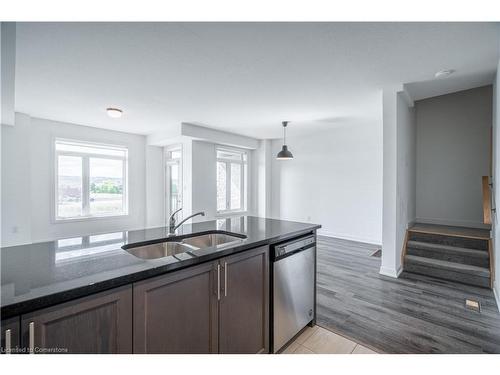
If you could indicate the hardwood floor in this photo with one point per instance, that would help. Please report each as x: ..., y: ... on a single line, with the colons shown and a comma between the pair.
x: 412, y: 314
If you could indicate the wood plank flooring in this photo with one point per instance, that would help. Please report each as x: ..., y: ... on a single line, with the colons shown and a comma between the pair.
x: 412, y: 314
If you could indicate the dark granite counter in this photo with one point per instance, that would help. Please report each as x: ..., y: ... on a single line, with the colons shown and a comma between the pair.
x: 39, y: 275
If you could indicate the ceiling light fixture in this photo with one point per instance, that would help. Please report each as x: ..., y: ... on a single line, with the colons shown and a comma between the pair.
x: 284, y: 154
x: 444, y: 73
x: 114, y: 112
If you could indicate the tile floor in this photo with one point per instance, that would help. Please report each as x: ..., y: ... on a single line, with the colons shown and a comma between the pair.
x: 318, y: 340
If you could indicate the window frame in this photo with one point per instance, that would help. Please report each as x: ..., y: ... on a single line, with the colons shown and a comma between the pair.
x: 244, y: 193
x: 86, y: 216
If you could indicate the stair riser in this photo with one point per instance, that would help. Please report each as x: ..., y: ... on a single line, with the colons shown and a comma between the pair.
x: 469, y: 243
x: 450, y: 257
x: 447, y: 275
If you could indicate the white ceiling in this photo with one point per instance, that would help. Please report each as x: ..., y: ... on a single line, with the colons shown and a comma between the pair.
x: 240, y: 77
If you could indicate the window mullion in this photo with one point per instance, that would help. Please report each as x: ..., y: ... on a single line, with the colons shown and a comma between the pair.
x: 85, y: 186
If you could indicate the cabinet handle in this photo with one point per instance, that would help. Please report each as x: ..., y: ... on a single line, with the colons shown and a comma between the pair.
x: 218, y: 281
x: 7, y: 341
x: 225, y: 279
x: 32, y: 337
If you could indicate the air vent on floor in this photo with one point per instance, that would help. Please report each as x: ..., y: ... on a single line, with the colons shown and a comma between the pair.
x: 377, y: 253
x: 473, y: 305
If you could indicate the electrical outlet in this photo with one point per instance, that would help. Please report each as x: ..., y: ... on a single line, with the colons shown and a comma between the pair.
x: 309, y: 218
x: 15, y: 229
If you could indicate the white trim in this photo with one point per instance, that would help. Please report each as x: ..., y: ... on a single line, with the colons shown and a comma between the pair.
x: 496, y: 293
x: 344, y: 236
x: 390, y: 272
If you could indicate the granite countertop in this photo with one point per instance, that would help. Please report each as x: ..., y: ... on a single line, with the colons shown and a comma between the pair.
x: 39, y: 275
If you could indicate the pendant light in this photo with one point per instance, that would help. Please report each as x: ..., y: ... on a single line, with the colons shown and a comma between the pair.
x: 284, y: 154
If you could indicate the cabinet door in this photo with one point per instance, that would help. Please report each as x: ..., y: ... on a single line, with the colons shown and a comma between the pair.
x: 177, y: 312
x: 101, y: 323
x: 10, y: 335
x: 244, y: 304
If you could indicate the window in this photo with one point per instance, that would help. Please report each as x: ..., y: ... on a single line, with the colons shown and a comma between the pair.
x: 174, y: 181
x: 231, y: 180
x: 91, y: 180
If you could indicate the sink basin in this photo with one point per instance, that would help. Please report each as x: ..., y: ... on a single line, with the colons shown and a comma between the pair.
x: 190, y: 244
x: 211, y: 240
x: 158, y: 250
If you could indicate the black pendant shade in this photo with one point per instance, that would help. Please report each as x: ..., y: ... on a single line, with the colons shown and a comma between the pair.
x: 284, y: 154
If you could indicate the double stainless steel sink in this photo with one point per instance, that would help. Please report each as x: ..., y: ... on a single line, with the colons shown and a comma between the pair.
x: 186, y: 245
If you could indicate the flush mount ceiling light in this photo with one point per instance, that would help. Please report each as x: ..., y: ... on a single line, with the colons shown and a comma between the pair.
x: 114, y: 112
x: 284, y: 154
x: 444, y: 73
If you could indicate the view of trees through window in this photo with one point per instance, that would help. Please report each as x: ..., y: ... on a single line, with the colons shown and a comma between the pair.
x: 90, y: 181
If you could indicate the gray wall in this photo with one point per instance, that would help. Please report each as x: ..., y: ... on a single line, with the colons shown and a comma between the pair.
x: 453, y: 152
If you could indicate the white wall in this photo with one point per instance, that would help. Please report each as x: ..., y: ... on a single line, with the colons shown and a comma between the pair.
x: 453, y: 152
x: 7, y: 81
x: 406, y: 163
x: 496, y: 187
x: 28, y: 181
x: 16, y: 181
x: 263, y: 178
x: 335, y: 179
x: 204, y: 183
x: 399, y: 177
x: 155, y: 187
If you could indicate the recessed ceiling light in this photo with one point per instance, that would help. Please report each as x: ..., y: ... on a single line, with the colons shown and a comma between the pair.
x: 114, y: 112
x: 444, y: 73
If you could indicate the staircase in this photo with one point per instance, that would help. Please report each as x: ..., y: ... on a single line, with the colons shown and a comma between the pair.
x: 450, y: 253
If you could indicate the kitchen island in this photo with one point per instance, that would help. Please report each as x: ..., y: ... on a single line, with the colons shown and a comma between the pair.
x: 88, y: 294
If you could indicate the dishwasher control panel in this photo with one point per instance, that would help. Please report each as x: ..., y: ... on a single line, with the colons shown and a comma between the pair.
x: 292, y: 246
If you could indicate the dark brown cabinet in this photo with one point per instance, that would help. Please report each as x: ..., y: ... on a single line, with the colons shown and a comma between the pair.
x: 244, y: 304
x: 10, y: 336
x: 101, y: 323
x: 216, y: 307
x: 220, y: 306
x: 177, y: 313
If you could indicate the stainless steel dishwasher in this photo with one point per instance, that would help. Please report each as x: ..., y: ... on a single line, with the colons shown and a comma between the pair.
x: 293, y: 288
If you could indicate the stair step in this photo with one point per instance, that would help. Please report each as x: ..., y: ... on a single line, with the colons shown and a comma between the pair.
x: 448, y: 253
x: 463, y: 273
x: 448, y: 240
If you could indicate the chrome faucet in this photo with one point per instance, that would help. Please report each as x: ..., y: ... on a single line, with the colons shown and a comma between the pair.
x: 172, y: 227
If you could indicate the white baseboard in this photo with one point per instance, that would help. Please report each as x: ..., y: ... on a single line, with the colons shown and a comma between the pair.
x: 349, y: 237
x: 391, y: 272
x: 496, y: 293
x: 453, y: 223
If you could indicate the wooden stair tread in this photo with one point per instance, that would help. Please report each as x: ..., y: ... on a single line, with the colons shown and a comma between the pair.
x: 449, y: 266
x: 445, y: 230
x: 448, y: 248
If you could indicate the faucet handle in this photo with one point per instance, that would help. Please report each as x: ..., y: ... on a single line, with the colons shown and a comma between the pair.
x: 172, y: 217
x: 176, y: 211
